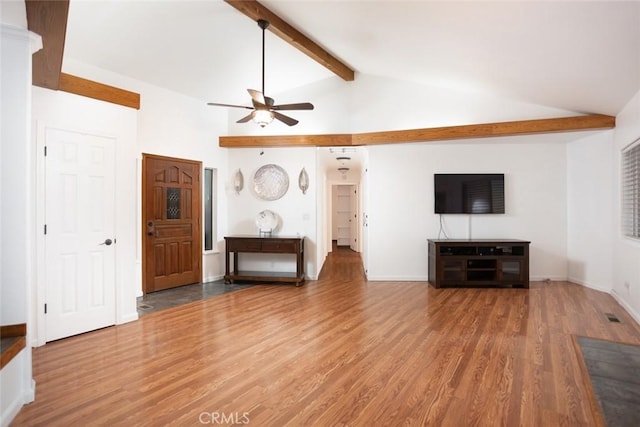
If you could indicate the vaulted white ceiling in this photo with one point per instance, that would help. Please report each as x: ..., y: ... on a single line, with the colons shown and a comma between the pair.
x: 571, y: 55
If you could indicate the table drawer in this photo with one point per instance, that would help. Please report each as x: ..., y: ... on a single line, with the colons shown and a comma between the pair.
x: 244, y: 245
x: 279, y: 246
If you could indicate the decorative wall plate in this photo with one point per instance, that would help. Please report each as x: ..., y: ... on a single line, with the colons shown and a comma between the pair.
x: 270, y: 182
x: 267, y: 221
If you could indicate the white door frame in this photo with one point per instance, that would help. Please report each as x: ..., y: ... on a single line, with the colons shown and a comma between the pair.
x: 329, y: 212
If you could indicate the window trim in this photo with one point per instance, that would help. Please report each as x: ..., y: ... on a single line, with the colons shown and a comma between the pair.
x: 214, y: 210
x: 630, y: 223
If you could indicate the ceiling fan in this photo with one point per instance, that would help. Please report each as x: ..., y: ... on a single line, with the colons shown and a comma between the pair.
x: 264, y: 108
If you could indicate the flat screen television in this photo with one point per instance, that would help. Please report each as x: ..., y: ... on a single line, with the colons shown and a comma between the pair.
x: 464, y: 193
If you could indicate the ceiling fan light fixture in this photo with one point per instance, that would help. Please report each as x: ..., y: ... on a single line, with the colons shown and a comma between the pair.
x: 263, y: 117
x: 263, y: 110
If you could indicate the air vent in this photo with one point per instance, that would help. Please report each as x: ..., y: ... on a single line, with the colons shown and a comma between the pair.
x: 612, y: 318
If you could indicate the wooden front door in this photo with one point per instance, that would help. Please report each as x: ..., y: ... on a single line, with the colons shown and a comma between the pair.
x: 171, y: 213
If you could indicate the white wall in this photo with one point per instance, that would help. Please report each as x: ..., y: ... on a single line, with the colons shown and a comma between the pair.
x: 297, y: 211
x: 626, y: 252
x: 17, y: 248
x: 13, y: 12
x: 379, y: 104
x: 173, y: 125
x: 400, y: 202
x: 590, y: 211
x: 61, y: 110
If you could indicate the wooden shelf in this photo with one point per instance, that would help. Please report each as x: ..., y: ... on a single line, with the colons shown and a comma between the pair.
x: 12, y: 341
x: 266, y: 276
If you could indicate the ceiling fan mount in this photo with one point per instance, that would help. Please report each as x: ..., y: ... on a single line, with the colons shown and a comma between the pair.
x: 264, y: 108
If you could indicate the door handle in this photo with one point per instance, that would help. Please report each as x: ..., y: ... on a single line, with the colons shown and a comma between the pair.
x: 107, y: 242
x: 150, y: 228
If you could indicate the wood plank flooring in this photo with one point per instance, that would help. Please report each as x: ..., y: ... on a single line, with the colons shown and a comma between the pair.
x: 336, y: 351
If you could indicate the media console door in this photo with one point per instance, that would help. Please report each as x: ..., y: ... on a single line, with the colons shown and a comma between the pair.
x: 467, y: 263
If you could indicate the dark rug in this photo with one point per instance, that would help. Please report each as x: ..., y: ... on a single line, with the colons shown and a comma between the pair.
x: 614, y: 370
x: 174, y: 297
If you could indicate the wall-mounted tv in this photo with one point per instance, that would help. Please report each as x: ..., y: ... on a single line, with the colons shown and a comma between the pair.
x: 463, y: 193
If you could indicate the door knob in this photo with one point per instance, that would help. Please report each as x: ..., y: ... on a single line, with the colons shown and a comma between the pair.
x: 107, y: 242
x: 150, y: 229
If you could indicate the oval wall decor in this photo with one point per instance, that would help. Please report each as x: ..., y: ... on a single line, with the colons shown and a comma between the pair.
x: 270, y: 182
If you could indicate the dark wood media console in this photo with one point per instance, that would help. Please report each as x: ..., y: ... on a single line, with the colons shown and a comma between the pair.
x: 264, y: 245
x: 468, y: 263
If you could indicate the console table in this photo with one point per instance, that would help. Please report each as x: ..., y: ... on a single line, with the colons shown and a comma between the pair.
x: 264, y: 245
x: 466, y: 263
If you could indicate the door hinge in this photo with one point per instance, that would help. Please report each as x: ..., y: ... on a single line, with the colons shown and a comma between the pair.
x: 45, y: 229
x: 45, y: 309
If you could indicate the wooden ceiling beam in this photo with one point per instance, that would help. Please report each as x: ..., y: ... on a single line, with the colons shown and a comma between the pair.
x: 485, y: 130
x: 49, y: 20
x: 102, y: 92
x: 335, y: 140
x: 286, y: 32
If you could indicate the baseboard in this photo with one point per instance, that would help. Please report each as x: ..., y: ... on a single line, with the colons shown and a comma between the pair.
x: 11, y: 376
x: 12, y: 410
x: 131, y: 317
x: 212, y: 278
x: 615, y: 296
x: 397, y: 279
x: 589, y: 285
x: 626, y: 306
x: 30, y: 393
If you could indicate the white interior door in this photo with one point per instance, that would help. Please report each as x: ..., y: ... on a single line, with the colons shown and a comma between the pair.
x: 80, y: 233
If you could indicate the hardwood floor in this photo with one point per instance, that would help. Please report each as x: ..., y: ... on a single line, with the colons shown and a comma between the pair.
x: 336, y: 351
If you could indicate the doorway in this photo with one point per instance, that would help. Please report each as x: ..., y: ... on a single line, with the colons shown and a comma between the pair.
x: 171, y: 211
x: 344, y: 228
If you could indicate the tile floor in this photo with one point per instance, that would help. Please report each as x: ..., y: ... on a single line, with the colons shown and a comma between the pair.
x: 168, y: 298
x: 614, y: 370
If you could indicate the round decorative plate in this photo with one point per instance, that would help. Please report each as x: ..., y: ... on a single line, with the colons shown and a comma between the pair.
x: 270, y: 182
x: 266, y: 221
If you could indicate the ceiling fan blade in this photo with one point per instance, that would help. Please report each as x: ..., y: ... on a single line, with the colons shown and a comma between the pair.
x: 285, y: 119
x: 269, y: 101
x: 299, y: 106
x: 217, y: 104
x: 245, y: 119
x: 257, y: 96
